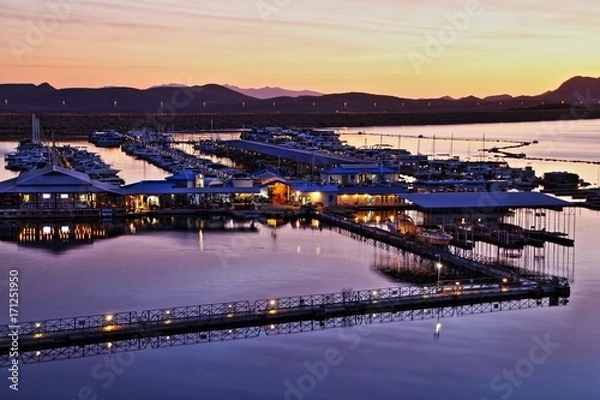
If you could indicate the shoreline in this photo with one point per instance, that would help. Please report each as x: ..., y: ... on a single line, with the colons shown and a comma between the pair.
x: 18, y: 126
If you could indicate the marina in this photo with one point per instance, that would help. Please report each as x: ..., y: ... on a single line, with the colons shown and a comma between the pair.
x: 305, y: 243
x: 298, y: 200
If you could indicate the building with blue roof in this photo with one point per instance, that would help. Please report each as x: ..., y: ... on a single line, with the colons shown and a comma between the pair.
x: 57, y: 191
x: 356, y: 174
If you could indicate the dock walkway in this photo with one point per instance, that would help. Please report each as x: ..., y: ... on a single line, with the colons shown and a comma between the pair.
x: 80, y: 331
x: 419, y: 248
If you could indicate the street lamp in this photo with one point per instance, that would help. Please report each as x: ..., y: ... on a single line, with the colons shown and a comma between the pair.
x: 438, y: 265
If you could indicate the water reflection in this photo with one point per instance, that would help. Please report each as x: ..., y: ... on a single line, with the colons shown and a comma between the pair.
x: 189, y: 337
x: 58, y: 236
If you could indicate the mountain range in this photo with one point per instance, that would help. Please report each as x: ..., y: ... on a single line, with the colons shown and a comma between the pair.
x: 269, y: 92
x: 212, y: 98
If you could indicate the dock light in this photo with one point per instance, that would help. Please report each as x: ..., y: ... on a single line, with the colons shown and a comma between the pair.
x: 109, y: 345
x: 109, y: 317
x: 109, y: 328
x: 457, y: 283
x: 229, y: 305
x: 38, y: 335
x: 272, y: 302
x: 168, y: 321
x: 271, y: 326
x: 168, y: 312
x: 168, y: 338
x: 37, y: 324
x: 38, y: 353
x: 374, y: 292
x: 504, y: 280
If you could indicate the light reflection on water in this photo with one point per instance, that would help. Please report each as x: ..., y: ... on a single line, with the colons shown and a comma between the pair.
x: 154, y: 269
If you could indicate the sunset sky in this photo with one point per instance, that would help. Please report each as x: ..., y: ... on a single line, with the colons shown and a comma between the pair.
x: 426, y: 48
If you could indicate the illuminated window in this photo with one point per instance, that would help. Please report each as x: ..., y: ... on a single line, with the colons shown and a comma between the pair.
x: 46, y: 196
x: 64, y: 196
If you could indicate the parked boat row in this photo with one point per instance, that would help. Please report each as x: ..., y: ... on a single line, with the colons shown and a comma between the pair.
x: 30, y: 155
x: 161, y: 153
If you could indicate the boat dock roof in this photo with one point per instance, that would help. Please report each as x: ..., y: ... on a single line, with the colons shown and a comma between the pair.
x: 315, y: 157
x: 484, y: 201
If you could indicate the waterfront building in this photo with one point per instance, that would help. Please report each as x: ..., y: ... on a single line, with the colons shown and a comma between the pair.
x: 357, y: 174
x: 303, y: 192
x: 371, y: 196
x: 57, y: 191
x: 173, y: 193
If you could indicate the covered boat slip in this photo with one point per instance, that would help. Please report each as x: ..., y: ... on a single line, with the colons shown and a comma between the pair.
x: 529, y: 210
x: 524, y: 230
x: 310, y: 157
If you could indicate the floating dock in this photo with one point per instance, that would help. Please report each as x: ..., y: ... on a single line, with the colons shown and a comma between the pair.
x: 43, y: 335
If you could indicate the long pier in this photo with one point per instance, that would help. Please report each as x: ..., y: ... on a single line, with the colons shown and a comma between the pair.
x: 41, y: 336
x: 419, y: 248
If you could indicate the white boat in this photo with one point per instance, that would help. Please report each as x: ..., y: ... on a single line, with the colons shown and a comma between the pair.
x: 406, y: 227
x: 106, y: 138
x: 434, y: 237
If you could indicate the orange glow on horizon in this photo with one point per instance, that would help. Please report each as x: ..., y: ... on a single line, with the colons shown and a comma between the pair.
x: 429, y: 49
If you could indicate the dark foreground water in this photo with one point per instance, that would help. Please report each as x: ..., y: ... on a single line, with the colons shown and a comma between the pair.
x: 546, y: 353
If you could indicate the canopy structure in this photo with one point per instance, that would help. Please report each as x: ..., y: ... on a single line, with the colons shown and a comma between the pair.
x: 488, y: 201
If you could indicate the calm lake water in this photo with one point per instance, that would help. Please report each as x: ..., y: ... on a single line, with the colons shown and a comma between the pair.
x: 547, y: 353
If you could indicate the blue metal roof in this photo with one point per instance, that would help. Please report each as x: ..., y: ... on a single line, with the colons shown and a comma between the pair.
x: 314, y: 157
x: 484, y: 200
x: 183, y: 176
x: 309, y: 187
x: 355, y: 170
x: 373, y: 190
x: 164, y: 187
x: 55, y: 179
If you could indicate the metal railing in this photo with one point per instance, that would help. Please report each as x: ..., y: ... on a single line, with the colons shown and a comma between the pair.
x: 335, y: 300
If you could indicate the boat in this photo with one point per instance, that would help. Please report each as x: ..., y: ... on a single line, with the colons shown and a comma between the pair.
x: 403, y: 225
x: 406, y: 227
x: 109, y: 138
x: 437, y: 238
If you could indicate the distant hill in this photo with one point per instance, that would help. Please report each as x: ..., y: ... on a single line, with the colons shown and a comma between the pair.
x: 268, y: 92
x: 213, y: 98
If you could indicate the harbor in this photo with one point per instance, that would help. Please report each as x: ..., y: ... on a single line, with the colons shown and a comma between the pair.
x: 287, y: 200
x: 205, y: 252
x: 481, y: 229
